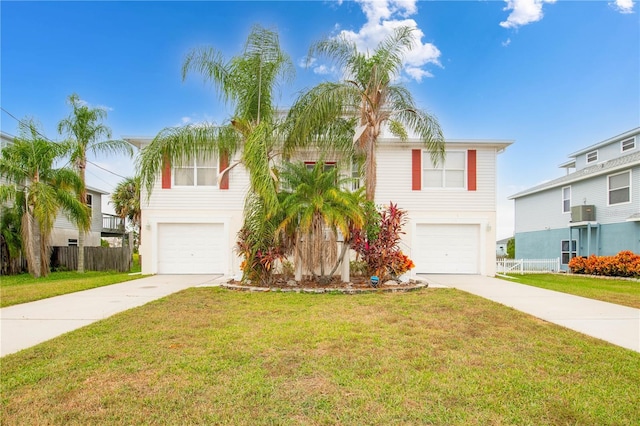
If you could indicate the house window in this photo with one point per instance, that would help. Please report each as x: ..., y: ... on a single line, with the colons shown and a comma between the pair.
x: 619, y: 188
x: 72, y: 242
x: 328, y: 165
x: 356, y: 176
x: 200, y: 172
x: 628, y: 144
x: 568, y: 250
x: 89, y: 200
x: 592, y: 157
x: 566, y: 199
x: 449, y: 173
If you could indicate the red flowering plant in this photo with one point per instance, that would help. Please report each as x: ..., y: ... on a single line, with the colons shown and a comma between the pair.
x: 378, y: 242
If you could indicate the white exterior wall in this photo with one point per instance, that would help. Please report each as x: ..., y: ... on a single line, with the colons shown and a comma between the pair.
x: 442, y: 206
x: 194, y: 205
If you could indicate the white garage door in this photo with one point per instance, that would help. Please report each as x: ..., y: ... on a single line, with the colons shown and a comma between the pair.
x: 191, y: 248
x: 447, y: 249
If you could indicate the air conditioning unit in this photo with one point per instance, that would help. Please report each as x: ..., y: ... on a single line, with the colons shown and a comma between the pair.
x: 583, y: 213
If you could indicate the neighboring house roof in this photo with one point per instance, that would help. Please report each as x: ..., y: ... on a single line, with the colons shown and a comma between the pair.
x: 619, y: 137
x: 504, y: 240
x: 586, y: 173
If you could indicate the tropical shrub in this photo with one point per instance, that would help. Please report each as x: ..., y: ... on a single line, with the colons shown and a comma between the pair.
x: 624, y: 264
x: 378, y: 243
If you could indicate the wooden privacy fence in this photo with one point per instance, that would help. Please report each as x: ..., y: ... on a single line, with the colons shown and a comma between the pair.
x: 527, y: 266
x: 95, y: 258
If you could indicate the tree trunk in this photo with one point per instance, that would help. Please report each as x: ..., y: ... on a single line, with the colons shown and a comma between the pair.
x: 370, y: 179
x: 80, y: 251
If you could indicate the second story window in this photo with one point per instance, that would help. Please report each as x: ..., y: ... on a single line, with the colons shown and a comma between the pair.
x: 619, y: 188
x: 592, y: 157
x: 199, y: 172
x: 89, y: 201
x: 449, y: 173
x: 566, y: 199
x: 628, y: 144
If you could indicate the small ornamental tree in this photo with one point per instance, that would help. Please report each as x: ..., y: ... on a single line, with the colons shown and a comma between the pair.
x: 378, y: 243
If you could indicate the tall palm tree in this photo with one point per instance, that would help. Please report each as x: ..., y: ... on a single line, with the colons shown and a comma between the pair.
x: 86, y: 134
x: 248, y: 82
x: 369, y: 93
x: 39, y: 192
x: 316, y: 206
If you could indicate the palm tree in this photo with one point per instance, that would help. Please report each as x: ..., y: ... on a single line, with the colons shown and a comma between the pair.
x: 369, y: 94
x: 126, y: 200
x: 39, y: 192
x: 85, y: 133
x: 248, y: 82
x: 315, y: 207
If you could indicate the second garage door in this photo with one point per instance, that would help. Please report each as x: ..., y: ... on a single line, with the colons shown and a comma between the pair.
x: 191, y: 248
x: 447, y: 248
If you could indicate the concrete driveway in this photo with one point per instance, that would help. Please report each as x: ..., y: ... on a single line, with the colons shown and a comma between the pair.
x: 613, y: 323
x: 27, y: 324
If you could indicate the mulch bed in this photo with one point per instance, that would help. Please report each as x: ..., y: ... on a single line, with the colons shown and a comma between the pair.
x: 336, y: 285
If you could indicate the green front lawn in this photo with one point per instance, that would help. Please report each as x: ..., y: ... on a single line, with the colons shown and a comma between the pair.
x: 622, y: 292
x: 210, y: 356
x: 15, y: 289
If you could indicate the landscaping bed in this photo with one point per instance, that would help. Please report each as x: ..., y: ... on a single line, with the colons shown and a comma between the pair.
x: 357, y: 285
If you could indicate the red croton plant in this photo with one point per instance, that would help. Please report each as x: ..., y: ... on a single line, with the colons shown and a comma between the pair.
x: 378, y: 243
x: 624, y: 264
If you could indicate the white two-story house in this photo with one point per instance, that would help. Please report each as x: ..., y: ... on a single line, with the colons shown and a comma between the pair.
x: 190, y: 222
x: 593, y: 209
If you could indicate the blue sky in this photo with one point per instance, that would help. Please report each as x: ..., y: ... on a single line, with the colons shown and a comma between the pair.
x: 554, y: 76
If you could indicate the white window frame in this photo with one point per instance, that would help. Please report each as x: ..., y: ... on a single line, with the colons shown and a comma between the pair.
x: 566, y: 208
x: 443, y: 167
x: 195, y: 166
x: 630, y: 144
x: 627, y: 172
x: 356, y: 176
x: 571, y: 253
x: 592, y: 156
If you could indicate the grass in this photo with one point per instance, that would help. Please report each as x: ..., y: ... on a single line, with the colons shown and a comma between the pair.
x: 16, y: 289
x: 209, y: 356
x: 621, y: 292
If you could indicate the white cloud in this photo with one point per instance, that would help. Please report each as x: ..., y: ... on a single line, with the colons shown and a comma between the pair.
x: 506, y: 42
x: 383, y: 16
x: 623, y: 6
x: 523, y: 12
x: 324, y: 70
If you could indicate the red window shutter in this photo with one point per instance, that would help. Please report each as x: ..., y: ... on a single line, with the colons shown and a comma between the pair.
x: 224, y: 163
x: 416, y: 169
x: 472, y: 170
x: 166, y: 174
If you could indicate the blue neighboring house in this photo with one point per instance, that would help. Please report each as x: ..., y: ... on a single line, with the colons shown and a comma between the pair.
x: 593, y: 209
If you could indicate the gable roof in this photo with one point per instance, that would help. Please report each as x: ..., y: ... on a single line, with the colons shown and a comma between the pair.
x: 582, y: 174
x: 617, y: 138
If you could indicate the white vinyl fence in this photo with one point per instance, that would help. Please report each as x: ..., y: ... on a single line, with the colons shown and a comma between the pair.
x: 527, y: 266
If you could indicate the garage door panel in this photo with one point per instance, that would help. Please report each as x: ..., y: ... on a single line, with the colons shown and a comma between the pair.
x: 447, y: 248
x: 191, y: 248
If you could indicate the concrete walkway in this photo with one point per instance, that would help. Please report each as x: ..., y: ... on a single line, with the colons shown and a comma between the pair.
x: 613, y: 323
x: 27, y: 324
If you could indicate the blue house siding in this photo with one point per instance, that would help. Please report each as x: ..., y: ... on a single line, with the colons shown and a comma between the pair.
x: 606, y: 240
